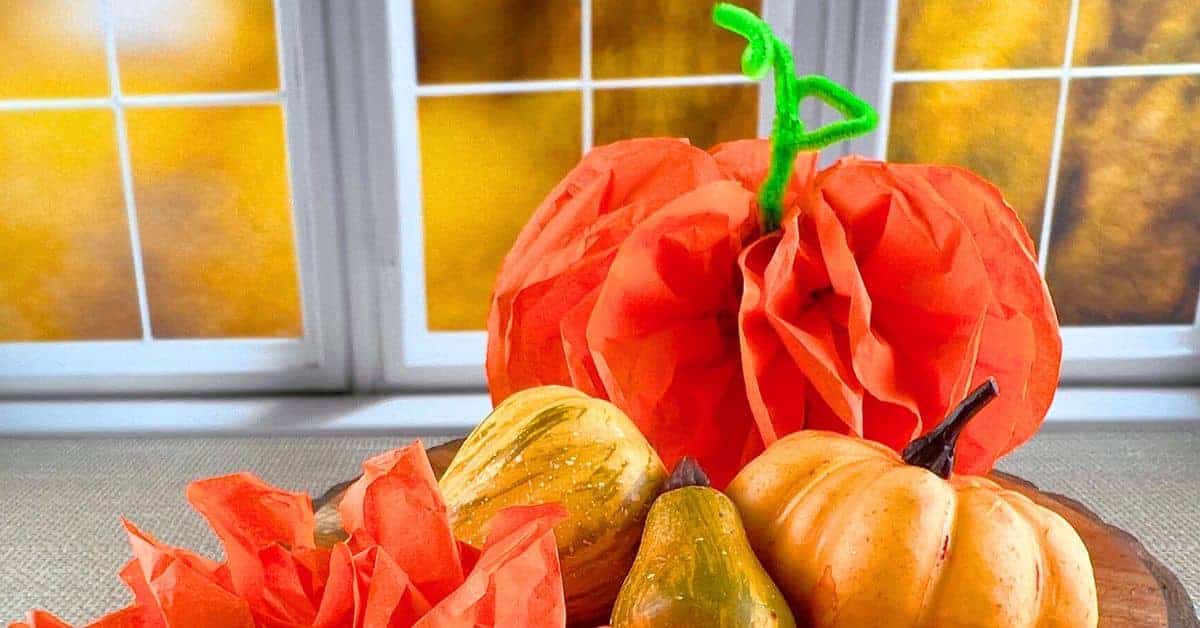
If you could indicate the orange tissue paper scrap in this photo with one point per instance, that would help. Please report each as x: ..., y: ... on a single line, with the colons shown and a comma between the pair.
x: 401, y: 566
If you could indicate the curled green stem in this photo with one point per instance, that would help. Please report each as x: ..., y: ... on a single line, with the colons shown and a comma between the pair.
x: 764, y: 52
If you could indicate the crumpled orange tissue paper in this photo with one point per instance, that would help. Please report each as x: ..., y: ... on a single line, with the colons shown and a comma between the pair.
x: 889, y: 291
x: 401, y: 566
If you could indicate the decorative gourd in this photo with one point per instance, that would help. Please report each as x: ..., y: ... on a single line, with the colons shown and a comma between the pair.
x: 855, y: 535
x: 695, y: 567
x: 556, y: 444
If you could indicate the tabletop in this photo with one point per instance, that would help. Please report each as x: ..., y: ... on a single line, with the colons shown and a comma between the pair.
x: 62, y: 543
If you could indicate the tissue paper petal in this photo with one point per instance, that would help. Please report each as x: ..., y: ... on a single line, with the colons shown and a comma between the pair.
x: 517, y: 580
x: 184, y: 586
x: 368, y: 590
x: 259, y: 527
x: 564, y: 251
x: 664, y: 328
x: 893, y: 291
x: 1020, y: 344
x: 397, y: 505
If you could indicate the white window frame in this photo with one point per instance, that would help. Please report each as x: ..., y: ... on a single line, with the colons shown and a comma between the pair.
x: 315, y: 361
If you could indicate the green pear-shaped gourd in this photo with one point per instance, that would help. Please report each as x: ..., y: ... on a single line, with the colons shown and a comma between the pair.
x: 695, y: 566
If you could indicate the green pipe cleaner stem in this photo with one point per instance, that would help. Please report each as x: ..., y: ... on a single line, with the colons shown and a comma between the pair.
x: 764, y: 52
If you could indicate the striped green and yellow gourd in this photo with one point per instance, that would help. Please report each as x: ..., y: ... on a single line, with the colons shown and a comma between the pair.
x: 556, y: 444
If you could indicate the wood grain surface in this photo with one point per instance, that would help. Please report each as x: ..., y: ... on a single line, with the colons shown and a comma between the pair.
x: 1135, y: 590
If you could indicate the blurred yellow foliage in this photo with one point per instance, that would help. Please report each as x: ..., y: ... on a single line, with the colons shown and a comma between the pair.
x: 496, y: 40
x: 52, y: 49
x: 1125, y: 245
x: 180, y: 46
x: 486, y: 163
x: 705, y: 115
x: 215, y: 220
x: 210, y: 183
x: 1125, y: 239
x: 1002, y: 130
x: 968, y: 34
x: 1127, y: 32
x: 662, y: 38
x: 66, y: 270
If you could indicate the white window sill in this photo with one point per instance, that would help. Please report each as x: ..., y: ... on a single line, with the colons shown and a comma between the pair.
x: 440, y: 413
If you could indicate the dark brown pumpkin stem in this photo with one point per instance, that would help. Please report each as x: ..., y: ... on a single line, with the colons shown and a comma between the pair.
x: 687, y: 473
x: 935, y: 450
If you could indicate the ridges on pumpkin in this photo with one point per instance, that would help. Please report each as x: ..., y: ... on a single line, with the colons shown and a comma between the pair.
x: 855, y: 536
x: 555, y: 444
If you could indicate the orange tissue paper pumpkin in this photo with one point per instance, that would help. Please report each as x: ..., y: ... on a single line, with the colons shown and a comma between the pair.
x: 725, y: 298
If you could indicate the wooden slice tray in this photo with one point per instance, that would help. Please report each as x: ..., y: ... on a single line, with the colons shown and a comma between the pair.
x: 1135, y: 589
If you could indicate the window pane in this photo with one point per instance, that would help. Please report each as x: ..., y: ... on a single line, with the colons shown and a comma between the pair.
x: 704, y: 115
x: 167, y: 46
x: 496, y: 40
x: 1119, y: 32
x: 1002, y: 130
x: 1125, y: 244
x: 1143, y: 31
x: 215, y: 223
x: 662, y: 38
x: 953, y: 34
x: 487, y: 161
x: 52, y: 49
x: 66, y: 272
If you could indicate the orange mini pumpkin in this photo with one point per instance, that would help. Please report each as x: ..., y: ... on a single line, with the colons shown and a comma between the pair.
x: 856, y: 535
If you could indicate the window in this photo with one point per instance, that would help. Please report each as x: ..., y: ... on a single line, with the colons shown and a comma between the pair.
x: 502, y: 99
x: 160, y: 186
x: 258, y: 195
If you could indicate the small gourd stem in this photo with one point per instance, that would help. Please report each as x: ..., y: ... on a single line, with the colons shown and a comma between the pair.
x: 687, y: 473
x: 764, y: 51
x: 935, y: 450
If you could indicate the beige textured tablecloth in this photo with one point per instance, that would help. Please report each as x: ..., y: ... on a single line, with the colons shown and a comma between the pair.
x: 61, y: 542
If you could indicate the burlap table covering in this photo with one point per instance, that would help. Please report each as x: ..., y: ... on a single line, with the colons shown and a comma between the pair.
x: 61, y: 542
